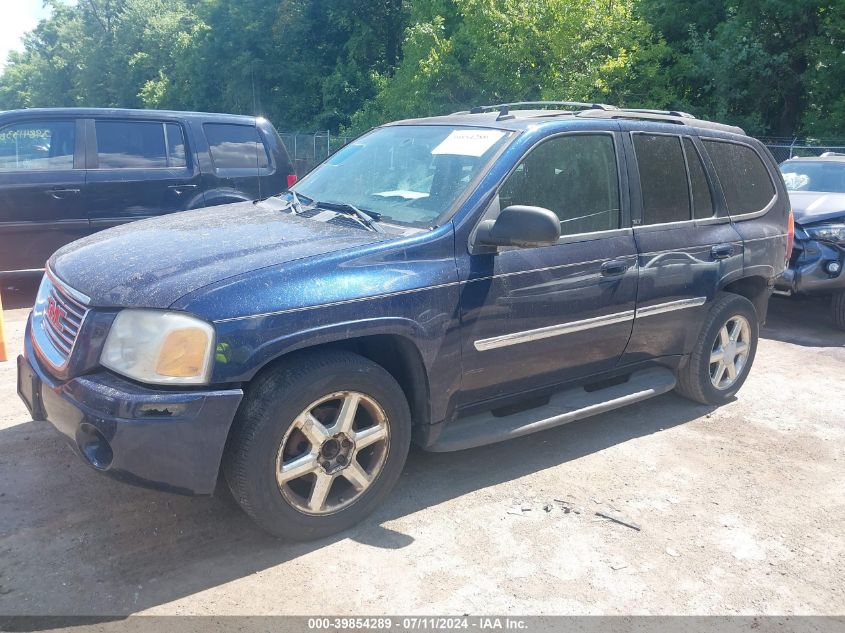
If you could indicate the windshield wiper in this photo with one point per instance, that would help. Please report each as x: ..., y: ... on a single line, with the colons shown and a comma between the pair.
x: 367, y: 218
x: 296, y: 203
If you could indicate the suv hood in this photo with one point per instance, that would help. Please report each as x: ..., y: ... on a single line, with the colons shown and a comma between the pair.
x: 813, y: 206
x: 154, y: 262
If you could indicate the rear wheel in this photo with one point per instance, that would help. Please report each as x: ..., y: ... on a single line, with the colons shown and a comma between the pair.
x: 724, y: 352
x: 318, y: 444
x: 837, y: 305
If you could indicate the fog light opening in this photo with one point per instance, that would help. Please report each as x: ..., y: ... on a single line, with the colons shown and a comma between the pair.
x: 94, y: 446
x: 833, y: 268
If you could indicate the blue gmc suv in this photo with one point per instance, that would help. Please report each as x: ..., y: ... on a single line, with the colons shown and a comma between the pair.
x: 451, y: 281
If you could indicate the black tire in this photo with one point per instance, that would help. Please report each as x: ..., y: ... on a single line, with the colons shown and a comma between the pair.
x: 269, y: 409
x: 694, y: 379
x: 837, y: 306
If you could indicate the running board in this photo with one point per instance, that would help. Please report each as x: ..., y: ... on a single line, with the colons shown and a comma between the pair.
x: 566, y: 406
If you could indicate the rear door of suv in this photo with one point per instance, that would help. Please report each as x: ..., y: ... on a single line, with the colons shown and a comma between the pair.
x: 42, y: 177
x: 687, y: 245
x: 756, y: 201
x: 138, y: 168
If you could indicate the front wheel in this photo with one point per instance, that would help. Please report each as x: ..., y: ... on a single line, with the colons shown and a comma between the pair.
x: 318, y: 444
x: 722, y: 356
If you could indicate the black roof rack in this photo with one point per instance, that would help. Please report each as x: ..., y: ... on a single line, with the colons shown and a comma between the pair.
x: 604, y: 111
x: 661, y: 116
x: 673, y: 113
x: 505, y: 108
x: 576, y: 105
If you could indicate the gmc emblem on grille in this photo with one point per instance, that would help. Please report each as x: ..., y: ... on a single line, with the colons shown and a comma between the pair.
x: 55, y: 313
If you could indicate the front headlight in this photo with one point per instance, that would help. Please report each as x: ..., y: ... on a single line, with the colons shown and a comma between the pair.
x: 159, y: 347
x: 827, y: 232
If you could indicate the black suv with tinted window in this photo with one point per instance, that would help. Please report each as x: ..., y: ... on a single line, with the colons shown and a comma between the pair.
x: 454, y: 281
x: 68, y: 172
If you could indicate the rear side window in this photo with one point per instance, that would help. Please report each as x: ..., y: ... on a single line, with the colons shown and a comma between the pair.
x: 743, y: 176
x: 139, y: 145
x: 573, y: 175
x: 37, y: 145
x: 663, y: 178
x: 235, y: 146
x: 702, y: 202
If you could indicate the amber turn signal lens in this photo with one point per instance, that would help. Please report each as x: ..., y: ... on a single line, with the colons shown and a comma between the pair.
x: 183, y: 353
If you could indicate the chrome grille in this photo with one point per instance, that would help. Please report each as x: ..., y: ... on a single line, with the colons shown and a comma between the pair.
x: 59, y: 316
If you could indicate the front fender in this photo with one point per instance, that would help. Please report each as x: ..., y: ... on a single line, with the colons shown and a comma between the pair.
x: 268, y: 351
x: 428, y: 319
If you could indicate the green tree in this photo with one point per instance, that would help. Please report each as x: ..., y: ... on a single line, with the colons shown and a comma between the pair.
x: 769, y: 65
x: 469, y: 52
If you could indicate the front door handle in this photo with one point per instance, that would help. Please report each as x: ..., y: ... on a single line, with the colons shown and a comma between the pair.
x: 180, y: 189
x: 722, y: 251
x: 614, y: 267
x: 59, y: 194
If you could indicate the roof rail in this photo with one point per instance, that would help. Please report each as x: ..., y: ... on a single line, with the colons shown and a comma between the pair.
x: 830, y: 154
x: 604, y: 111
x: 664, y: 116
x: 577, y: 105
x: 674, y: 113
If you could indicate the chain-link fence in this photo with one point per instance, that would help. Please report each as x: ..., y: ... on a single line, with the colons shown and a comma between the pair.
x: 309, y: 150
x: 785, y: 148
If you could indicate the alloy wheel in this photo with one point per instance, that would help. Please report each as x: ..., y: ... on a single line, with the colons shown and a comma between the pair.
x: 729, y: 354
x: 333, y: 452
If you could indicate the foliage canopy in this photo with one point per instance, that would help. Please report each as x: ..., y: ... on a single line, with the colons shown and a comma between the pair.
x: 776, y: 67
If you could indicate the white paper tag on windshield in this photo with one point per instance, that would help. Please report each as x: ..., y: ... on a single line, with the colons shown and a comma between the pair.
x: 468, y: 142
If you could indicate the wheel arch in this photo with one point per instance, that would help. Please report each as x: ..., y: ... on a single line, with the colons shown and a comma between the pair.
x: 395, y: 353
x: 756, y: 289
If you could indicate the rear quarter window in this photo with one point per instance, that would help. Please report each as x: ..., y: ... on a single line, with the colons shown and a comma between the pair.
x: 235, y: 146
x: 745, y: 180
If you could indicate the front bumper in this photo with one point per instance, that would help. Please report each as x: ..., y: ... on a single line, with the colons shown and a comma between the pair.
x: 157, y: 438
x: 807, y: 272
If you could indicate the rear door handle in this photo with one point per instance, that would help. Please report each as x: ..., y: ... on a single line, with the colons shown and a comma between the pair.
x: 180, y: 189
x: 614, y: 267
x: 58, y: 194
x: 722, y: 251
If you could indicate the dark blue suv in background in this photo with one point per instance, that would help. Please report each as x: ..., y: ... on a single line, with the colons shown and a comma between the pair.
x: 68, y: 172
x: 452, y: 281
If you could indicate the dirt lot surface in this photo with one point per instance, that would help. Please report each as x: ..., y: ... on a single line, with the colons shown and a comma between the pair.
x: 742, y: 510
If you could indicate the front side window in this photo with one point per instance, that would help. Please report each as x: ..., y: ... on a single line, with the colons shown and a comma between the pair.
x: 663, y: 178
x: 139, y: 145
x: 575, y: 176
x: 235, y: 146
x: 817, y: 175
x: 37, y: 145
x: 407, y: 174
x: 743, y: 176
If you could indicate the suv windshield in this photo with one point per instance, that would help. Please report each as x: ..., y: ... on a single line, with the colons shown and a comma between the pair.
x: 407, y: 174
x: 814, y: 175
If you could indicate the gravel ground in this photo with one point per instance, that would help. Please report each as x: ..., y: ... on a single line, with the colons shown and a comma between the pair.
x: 741, y: 508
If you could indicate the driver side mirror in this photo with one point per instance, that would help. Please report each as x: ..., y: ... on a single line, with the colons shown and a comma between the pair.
x: 520, y: 225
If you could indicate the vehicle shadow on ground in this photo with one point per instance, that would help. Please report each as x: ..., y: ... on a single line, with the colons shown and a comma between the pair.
x: 60, y: 522
x: 805, y: 321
